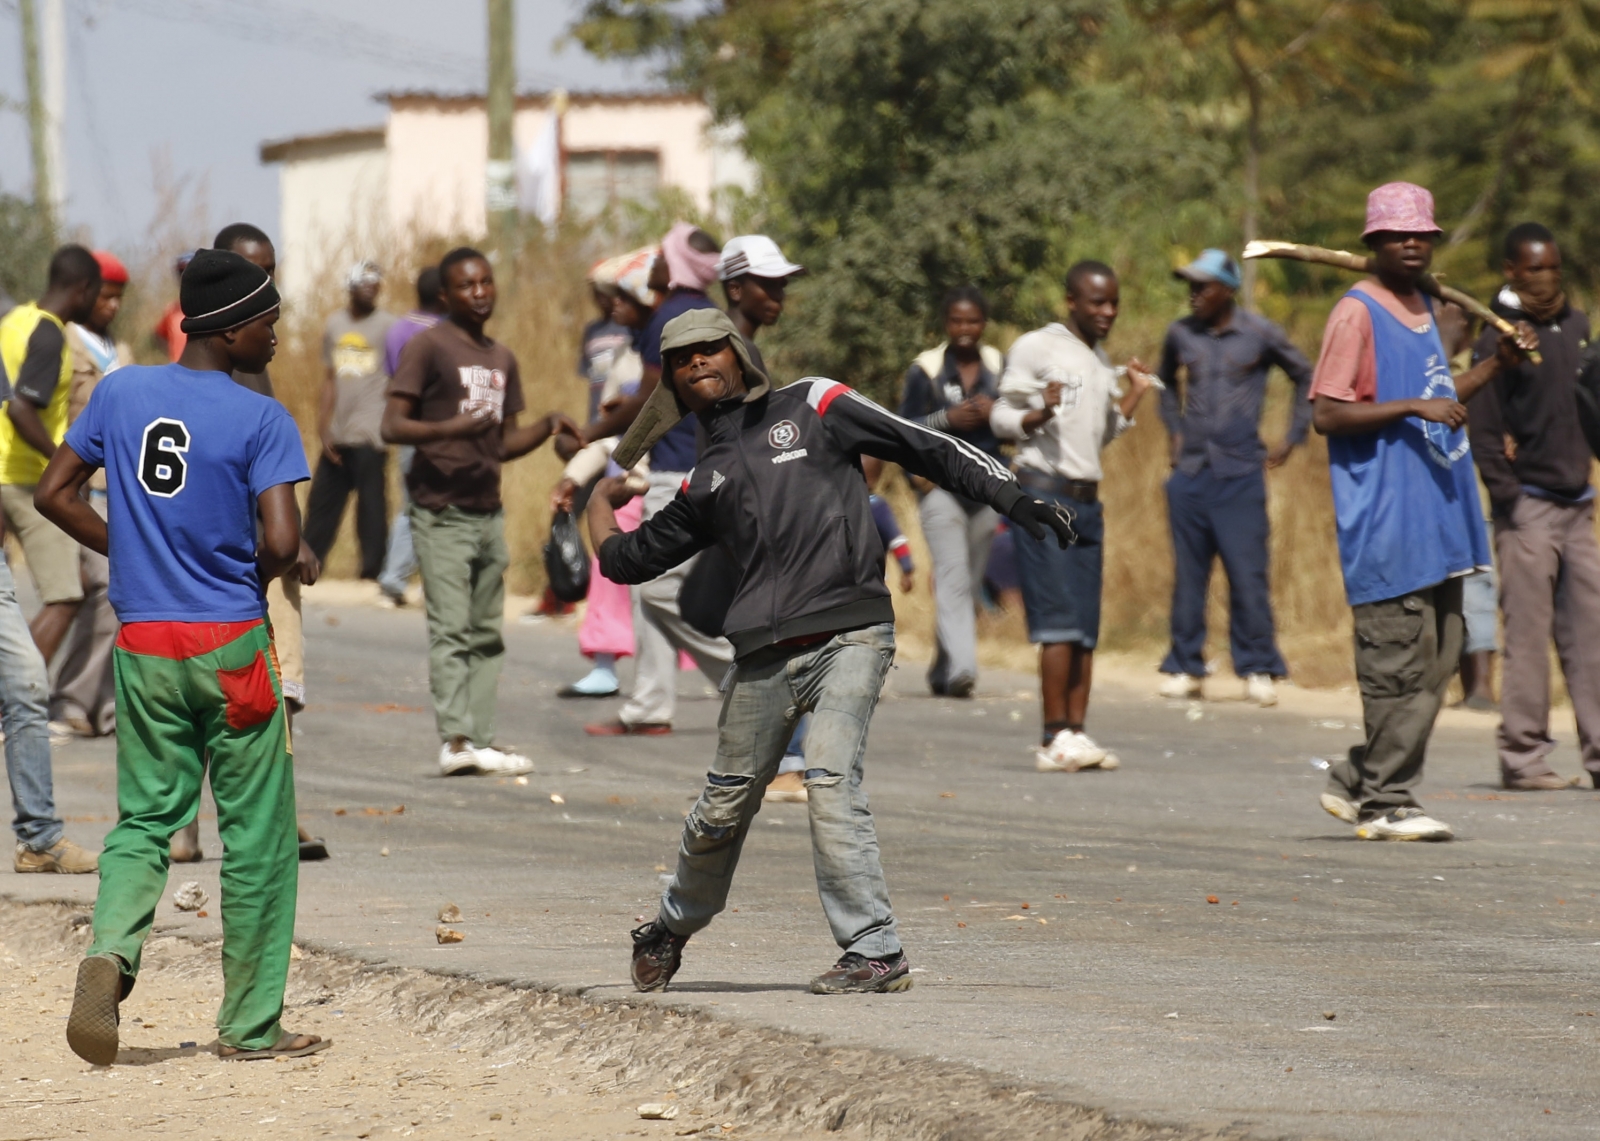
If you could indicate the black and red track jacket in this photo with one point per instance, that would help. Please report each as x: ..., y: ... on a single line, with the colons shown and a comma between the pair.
x: 778, y: 486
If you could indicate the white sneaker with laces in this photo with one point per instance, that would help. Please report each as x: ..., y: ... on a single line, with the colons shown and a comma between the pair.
x: 1182, y: 686
x: 1068, y: 752
x: 1259, y: 689
x: 501, y: 763
x: 457, y: 757
x: 1408, y: 823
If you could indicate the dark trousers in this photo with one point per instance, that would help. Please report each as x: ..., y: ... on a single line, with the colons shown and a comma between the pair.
x: 1407, y: 650
x: 1227, y: 517
x: 361, y: 470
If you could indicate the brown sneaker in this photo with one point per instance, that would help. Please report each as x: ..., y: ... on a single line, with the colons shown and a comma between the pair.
x: 787, y: 788
x: 63, y: 856
x: 657, y: 955
x: 857, y: 974
x: 1538, y: 782
x: 623, y: 729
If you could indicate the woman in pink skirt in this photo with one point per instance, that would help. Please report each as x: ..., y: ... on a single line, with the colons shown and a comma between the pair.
x: 606, y: 633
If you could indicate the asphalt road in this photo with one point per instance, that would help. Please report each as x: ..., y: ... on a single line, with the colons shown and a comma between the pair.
x: 1060, y: 924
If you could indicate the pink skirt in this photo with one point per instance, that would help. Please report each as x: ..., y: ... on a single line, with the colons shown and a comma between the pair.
x: 608, y: 622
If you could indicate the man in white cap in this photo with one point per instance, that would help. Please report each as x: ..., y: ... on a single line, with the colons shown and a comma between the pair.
x: 354, y: 457
x: 754, y: 275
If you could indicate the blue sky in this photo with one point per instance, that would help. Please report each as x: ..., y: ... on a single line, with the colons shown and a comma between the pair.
x: 193, y: 87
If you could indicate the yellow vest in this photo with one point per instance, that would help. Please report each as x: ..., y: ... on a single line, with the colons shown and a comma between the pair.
x: 21, y: 462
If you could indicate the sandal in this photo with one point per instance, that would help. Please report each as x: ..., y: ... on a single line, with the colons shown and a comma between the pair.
x: 284, y: 1049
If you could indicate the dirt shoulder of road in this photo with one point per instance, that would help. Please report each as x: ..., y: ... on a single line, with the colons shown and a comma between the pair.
x: 423, y: 1055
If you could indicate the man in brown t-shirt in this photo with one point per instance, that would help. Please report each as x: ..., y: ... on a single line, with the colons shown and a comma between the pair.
x: 455, y: 397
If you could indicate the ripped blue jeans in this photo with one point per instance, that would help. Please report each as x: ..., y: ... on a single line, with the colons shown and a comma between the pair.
x: 837, y: 682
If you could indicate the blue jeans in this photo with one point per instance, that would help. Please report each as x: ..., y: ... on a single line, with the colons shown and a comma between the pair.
x: 1226, y: 517
x: 400, y: 561
x: 1480, y: 607
x: 25, y: 716
x: 794, y: 754
x: 837, y: 682
x: 1061, y: 588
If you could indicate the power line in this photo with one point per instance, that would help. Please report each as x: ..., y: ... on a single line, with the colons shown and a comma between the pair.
x: 318, y: 33
x: 80, y: 49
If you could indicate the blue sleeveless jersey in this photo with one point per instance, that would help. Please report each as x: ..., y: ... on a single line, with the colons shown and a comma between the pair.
x: 1406, y: 496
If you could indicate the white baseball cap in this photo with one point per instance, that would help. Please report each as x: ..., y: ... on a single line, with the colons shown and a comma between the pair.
x: 756, y: 255
x: 363, y: 273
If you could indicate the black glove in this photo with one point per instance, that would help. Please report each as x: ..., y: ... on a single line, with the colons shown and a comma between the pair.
x: 1035, y: 516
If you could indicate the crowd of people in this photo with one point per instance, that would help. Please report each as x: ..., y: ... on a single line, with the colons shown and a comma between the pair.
x: 735, y: 528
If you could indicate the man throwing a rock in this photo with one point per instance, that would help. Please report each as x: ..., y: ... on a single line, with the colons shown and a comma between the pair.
x: 779, y: 487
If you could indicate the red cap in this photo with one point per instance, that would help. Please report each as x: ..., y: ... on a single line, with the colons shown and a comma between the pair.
x: 111, y: 267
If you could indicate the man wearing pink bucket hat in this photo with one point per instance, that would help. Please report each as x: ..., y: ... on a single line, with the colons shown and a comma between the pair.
x: 1406, y: 499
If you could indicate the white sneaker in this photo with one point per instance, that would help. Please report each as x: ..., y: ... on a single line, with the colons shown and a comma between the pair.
x: 1185, y: 687
x: 1259, y: 689
x: 1404, y: 824
x: 501, y: 763
x: 1335, y: 805
x: 1068, y: 752
x: 457, y: 756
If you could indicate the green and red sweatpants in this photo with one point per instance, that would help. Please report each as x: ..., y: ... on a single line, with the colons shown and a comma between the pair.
x: 192, y: 695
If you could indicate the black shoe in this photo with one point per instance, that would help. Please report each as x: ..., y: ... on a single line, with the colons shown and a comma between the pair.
x: 857, y: 974
x: 314, y: 849
x: 961, y: 686
x: 657, y: 955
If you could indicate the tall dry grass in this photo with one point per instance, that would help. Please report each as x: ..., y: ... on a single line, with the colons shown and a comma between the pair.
x: 544, y: 304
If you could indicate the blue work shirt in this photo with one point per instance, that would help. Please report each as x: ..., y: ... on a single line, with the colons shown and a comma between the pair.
x: 1225, y: 381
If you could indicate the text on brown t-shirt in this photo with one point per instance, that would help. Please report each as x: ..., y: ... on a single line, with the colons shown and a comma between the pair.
x: 449, y: 372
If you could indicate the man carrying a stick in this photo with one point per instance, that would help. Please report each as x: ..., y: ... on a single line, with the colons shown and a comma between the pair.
x: 1406, y: 499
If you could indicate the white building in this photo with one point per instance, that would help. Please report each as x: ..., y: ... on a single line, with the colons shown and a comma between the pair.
x: 372, y: 192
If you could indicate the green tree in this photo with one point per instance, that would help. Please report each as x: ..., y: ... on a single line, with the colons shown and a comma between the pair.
x: 908, y: 146
x: 1548, y: 53
x: 1286, y: 52
x: 25, y: 246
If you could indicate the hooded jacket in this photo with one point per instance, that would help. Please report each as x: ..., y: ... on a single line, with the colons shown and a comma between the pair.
x: 778, y: 486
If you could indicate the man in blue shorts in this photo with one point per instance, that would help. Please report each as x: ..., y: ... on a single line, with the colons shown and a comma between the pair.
x: 192, y: 460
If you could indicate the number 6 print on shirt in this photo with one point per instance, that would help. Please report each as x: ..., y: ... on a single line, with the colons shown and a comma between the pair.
x: 162, y: 468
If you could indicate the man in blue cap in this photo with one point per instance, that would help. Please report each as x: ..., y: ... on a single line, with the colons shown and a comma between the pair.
x: 1214, y: 365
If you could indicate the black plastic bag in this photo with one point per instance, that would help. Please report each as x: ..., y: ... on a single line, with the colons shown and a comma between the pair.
x: 565, y: 561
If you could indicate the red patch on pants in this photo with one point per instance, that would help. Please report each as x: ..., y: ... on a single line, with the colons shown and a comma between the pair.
x: 249, y: 693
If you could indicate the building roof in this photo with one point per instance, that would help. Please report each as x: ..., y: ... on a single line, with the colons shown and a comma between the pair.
x: 540, y: 98
x: 356, y: 138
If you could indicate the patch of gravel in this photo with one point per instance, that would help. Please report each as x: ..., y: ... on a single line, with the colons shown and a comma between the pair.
x: 729, y: 1080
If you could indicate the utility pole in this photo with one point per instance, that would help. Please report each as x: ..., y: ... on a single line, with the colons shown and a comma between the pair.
x: 501, y: 199
x: 43, y: 195
x: 53, y: 45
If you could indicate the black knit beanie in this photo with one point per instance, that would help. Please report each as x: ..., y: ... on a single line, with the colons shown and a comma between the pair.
x: 222, y: 290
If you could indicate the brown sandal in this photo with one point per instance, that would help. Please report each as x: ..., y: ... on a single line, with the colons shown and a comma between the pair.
x: 283, y: 1049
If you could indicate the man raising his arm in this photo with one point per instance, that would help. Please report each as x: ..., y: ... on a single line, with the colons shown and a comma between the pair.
x: 779, y: 488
